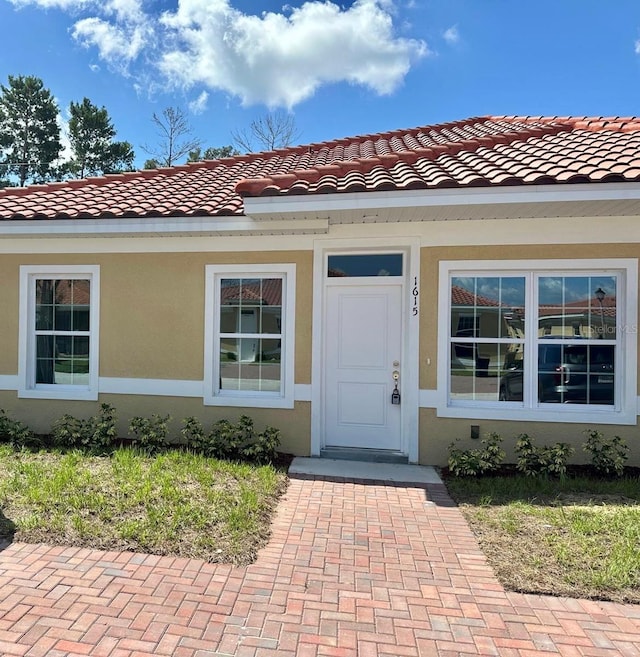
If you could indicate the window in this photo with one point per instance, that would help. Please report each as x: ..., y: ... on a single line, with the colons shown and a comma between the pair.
x: 250, y: 335
x: 59, y: 332
x: 366, y: 264
x: 487, y: 322
x: 548, y: 342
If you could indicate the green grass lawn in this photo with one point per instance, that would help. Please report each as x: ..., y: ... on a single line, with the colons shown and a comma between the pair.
x: 176, y: 503
x: 576, y: 537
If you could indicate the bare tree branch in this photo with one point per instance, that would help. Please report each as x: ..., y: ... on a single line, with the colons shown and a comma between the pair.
x: 174, y: 137
x: 271, y: 131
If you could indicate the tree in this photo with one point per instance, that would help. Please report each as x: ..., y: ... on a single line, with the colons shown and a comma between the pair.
x: 211, y: 153
x: 91, y: 134
x: 29, y: 130
x: 121, y: 159
x: 271, y: 131
x: 175, y: 140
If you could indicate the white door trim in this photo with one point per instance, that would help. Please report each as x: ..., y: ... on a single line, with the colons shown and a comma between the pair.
x: 410, y: 333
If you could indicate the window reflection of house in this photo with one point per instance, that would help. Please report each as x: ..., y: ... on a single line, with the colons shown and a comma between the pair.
x: 487, y: 333
x: 250, y: 334
x: 582, y: 319
x: 478, y: 317
x: 251, y: 307
x: 62, y: 309
x: 472, y: 316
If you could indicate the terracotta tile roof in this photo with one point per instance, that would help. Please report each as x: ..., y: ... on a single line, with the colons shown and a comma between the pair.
x: 485, y: 151
x: 65, y: 292
x: 460, y: 296
x: 608, y: 307
x: 266, y: 292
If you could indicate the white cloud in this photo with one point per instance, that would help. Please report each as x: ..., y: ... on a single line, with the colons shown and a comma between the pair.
x: 278, y: 59
x: 451, y: 36
x: 199, y: 105
x: 125, y: 9
x: 637, y: 47
x: 54, y: 4
x: 282, y: 60
x: 116, y: 44
x: 120, y: 8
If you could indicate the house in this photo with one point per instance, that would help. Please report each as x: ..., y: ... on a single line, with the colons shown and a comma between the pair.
x: 304, y: 286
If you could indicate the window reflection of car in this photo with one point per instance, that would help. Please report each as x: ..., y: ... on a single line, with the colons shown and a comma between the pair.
x: 576, y: 374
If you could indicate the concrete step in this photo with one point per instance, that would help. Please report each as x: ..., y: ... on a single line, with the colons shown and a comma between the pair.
x: 365, y: 455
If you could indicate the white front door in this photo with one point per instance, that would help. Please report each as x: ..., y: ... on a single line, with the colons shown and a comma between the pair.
x: 363, y: 345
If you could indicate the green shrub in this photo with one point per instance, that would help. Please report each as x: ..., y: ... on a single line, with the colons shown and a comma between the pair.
x: 232, y: 441
x: 475, y: 462
x: 195, y: 437
x: 535, y: 461
x: 264, y: 447
x: 97, y: 433
x: 16, y: 433
x: 150, y: 432
x: 230, y: 438
x: 224, y: 440
x: 608, y: 455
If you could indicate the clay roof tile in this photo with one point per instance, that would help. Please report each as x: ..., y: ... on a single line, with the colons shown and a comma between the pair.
x: 495, y: 150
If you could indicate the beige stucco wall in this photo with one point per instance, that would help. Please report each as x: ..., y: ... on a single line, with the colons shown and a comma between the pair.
x: 40, y: 414
x: 152, y: 326
x: 436, y: 434
x: 152, y: 310
x: 160, y: 335
x: 9, y: 303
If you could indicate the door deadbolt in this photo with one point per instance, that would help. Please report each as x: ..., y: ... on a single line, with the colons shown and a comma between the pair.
x: 395, y: 395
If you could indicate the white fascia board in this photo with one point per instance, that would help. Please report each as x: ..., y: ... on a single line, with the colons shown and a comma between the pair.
x: 159, y: 227
x: 442, y: 197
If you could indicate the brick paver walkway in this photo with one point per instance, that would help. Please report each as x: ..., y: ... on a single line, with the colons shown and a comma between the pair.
x: 353, y: 569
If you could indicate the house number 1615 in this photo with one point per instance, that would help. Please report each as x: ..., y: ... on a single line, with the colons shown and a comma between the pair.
x: 415, y: 292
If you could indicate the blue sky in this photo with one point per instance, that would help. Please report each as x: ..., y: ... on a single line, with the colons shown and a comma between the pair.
x: 342, y: 70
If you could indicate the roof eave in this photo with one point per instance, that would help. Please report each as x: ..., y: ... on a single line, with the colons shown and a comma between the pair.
x: 302, y: 205
x: 160, y: 227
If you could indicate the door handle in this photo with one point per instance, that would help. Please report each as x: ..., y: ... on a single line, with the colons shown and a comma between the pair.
x: 395, y: 395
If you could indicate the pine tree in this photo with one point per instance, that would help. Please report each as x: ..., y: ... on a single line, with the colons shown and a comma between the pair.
x: 29, y: 130
x: 211, y: 153
x: 91, y: 134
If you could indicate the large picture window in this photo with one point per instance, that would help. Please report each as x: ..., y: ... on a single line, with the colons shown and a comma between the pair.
x: 250, y: 335
x: 542, y: 343
x: 59, y: 329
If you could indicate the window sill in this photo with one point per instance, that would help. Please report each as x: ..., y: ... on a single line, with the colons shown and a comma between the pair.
x: 568, y: 414
x: 249, y: 401
x: 69, y: 394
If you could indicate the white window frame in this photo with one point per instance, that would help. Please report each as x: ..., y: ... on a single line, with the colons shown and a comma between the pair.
x: 27, y: 386
x: 213, y: 396
x: 625, y: 410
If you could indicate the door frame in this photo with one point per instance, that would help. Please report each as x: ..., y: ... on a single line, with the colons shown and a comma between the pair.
x: 410, y: 248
